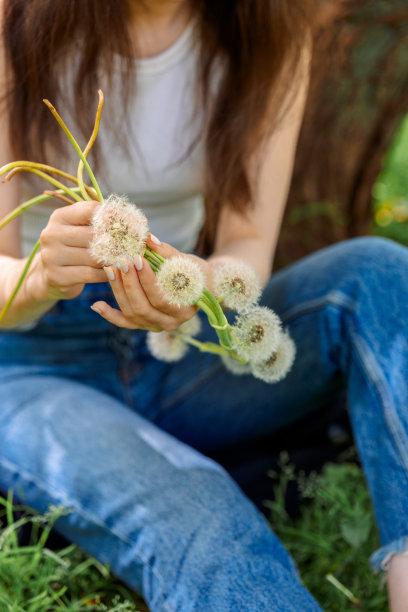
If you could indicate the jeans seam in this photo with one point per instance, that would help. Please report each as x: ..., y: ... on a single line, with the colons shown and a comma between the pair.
x: 9, y: 465
x: 370, y: 366
x: 336, y: 298
x: 367, y: 360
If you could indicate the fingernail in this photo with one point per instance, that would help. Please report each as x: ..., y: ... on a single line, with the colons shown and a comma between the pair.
x: 154, y: 239
x: 96, y: 309
x: 110, y: 274
x: 123, y: 266
x: 138, y: 262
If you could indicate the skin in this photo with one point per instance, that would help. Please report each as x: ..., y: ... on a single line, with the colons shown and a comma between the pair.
x: 63, y: 265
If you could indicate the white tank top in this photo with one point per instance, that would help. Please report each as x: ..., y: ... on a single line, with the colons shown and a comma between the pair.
x: 157, y: 175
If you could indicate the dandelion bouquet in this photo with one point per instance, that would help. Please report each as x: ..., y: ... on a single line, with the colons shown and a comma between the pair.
x: 255, y: 343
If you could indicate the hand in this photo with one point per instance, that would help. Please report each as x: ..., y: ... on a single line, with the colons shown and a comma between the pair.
x: 64, y: 264
x: 141, y: 303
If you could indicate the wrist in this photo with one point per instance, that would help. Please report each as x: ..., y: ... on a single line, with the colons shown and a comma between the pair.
x: 36, y: 289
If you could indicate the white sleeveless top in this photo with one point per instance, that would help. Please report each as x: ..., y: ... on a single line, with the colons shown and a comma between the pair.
x: 160, y: 174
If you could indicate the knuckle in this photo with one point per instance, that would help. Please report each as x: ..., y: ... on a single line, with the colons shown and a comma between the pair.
x: 143, y: 312
x: 55, y: 216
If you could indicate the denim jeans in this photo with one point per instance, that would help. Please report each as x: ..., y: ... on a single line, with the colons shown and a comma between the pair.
x: 90, y: 420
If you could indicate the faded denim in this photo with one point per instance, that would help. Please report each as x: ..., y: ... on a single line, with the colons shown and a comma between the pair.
x: 90, y: 420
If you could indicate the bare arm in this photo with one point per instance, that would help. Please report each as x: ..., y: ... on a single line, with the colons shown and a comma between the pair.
x: 253, y: 239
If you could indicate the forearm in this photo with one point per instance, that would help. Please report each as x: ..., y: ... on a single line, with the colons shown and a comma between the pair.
x: 252, y: 251
x: 30, y: 302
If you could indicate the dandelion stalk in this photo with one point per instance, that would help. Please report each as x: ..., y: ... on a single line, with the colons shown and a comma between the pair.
x: 58, y: 196
x: 88, y: 147
x: 20, y: 280
x: 211, y: 347
x: 218, y: 319
x: 45, y: 167
x: 28, y: 204
x: 48, y: 178
x: 76, y: 147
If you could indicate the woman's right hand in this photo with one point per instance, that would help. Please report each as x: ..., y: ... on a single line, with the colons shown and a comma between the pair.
x: 64, y: 264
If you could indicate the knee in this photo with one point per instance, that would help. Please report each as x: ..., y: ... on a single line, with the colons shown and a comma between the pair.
x: 375, y: 251
x: 376, y: 263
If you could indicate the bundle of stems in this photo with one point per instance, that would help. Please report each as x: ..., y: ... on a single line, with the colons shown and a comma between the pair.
x: 81, y: 192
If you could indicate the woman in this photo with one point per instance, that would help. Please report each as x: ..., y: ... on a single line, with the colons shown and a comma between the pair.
x: 88, y: 418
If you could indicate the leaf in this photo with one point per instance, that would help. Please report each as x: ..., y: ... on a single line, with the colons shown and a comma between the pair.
x: 356, y: 530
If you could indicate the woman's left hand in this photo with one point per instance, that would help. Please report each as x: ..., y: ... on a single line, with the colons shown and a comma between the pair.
x: 141, y: 303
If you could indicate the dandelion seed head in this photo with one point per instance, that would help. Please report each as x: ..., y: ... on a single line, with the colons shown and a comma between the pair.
x: 181, y: 280
x: 256, y: 334
x: 119, y: 229
x: 166, y: 346
x: 234, y: 366
x: 277, y: 365
x: 236, y: 283
x: 191, y: 328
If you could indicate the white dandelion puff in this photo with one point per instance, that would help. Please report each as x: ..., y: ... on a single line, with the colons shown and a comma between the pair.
x: 236, y: 283
x: 166, y: 346
x: 277, y: 365
x: 234, y: 366
x: 171, y: 346
x: 189, y: 328
x: 256, y: 334
x: 119, y: 229
x: 181, y: 280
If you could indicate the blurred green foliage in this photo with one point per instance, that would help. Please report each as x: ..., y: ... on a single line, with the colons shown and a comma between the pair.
x: 390, y: 192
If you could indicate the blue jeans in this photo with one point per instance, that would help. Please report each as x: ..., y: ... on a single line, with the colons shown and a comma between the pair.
x: 90, y: 420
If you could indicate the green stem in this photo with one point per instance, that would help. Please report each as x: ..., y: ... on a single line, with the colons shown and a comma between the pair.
x: 155, y: 254
x: 20, y: 280
x: 221, y: 327
x: 211, y: 347
x: 22, y: 165
x: 54, y: 182
x: 76, y: 147
x: 26, y: 205
x: 205, y: 347
x: 80, y: 171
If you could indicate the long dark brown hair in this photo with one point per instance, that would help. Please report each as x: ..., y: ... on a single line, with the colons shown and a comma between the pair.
x: 259, y: 43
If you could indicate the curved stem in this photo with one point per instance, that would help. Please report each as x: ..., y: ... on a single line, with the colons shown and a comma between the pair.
x: 91, y: 141
x: 23, y: 165
x: 25, y: 205
x: 58, y: 196
x: 76, y: 147
x: 48, y: 178
x: 20, y: 280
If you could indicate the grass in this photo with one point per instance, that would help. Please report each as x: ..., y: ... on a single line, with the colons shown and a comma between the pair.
x: 34, y: 578
x: 330, y: 540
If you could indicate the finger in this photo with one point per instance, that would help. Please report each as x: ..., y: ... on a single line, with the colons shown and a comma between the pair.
x: 139, y: 301
x: 116, y: 317
x: 162, y: 248
x: 115, y: 280
x: 79, y: 213
x: 66, y: 276
x: 76, y: 235
x: 75, y: 256
x: 155, y: 296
